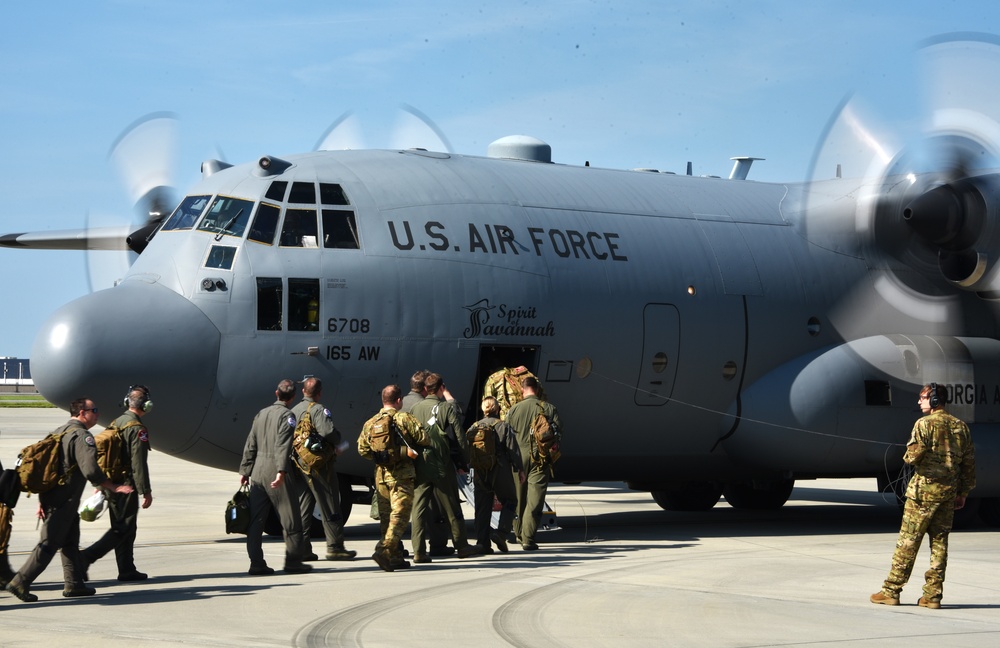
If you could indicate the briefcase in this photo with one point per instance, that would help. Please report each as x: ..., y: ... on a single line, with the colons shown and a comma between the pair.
x: 238, y: 511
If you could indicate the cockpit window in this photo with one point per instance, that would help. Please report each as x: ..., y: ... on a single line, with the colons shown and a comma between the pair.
x: 276, y: 191
x: 265, y: 224
x: 302, y: 193
x: 332, y: 194
x: 187, y: 213
x: 221, y: 257
x: 299, y: 228
x: 227, y: 216
x: 340, y: 230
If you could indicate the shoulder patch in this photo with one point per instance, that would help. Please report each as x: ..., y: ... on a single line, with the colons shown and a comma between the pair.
x: 144, y: 435
x: 291, y: 420
x: 89, y: 438
x: 326, y: 411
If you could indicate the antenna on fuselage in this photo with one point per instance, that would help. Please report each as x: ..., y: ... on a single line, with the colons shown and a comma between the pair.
x: 741, y: 167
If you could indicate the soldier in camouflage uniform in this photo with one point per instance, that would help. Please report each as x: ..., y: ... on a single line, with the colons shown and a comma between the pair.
x: 942, y: 455
x: 394, y: 479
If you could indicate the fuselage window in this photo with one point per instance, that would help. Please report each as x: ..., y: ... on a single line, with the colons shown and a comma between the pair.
x: 268, y: 304
x: 265, y: 224
x: 303, y: 193
x: 227, y: 216
x: 340, y: 230
x: 303, y: 304
x: 332, y: 194
x: 299, y: 228
x: 187, y: 213
x: 221, y: 256
x: 276, y: 191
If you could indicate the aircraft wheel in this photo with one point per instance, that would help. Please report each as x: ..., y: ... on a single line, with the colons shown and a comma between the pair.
x: 693, y: 496
x: 758, y: 495
x: 989, y: 511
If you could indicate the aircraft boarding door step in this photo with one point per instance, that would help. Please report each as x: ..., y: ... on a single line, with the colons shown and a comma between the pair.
x: 548, y: 522
x: 661, y: 337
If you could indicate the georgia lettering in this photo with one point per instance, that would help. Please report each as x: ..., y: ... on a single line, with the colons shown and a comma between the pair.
x: 490, y: 238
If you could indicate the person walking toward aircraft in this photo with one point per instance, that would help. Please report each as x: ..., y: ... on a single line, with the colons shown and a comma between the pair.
x: 58, y: 507
x: 530, y: 492
x: 417, y: 391
x: 265, y: 465
x: 942, y: 455
x: 124, y: 509
x: 435, y: 409
x: 389, y: 439
x: 494, y: 457
x: 318, y: 484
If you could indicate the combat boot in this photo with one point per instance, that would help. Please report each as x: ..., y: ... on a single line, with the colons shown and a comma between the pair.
x: 21, y: 592
x: 469, y: 551
x: 6, y: 573
x: 879, y: 598
x: 339, y: 553
x: 933, y: 605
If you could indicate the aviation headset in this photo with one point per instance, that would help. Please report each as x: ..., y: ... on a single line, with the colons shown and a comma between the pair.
x: 935, y: 398
x: 147, y: 404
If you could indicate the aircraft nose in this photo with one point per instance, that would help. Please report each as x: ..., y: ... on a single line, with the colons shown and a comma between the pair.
x: 135, y: 333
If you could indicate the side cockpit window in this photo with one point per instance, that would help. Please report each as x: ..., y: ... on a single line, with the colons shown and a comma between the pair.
x: 187, y: 213
x: 265, y: 224
x: 269, y: 292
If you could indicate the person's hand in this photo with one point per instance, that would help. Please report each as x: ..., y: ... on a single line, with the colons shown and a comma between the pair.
x: 959, y: 502
x: 278, y: 481
x: 244, y: 480
x: 147, y: 499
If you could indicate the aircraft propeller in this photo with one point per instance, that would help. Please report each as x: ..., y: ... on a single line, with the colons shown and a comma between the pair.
x: 920, y: 208
x: 412, y: 129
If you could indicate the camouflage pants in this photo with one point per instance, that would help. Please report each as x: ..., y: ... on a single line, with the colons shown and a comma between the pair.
x: 395, y: 501
x: 933, y: 519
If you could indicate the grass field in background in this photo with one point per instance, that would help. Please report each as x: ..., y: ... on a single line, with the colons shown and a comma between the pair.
x: 23, y: 400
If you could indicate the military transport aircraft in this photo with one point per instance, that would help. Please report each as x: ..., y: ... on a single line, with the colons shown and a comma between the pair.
x: 700, y: 336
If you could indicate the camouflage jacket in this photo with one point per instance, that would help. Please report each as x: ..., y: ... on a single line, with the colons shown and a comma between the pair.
x: 412, y: 432
x: 943, y: 458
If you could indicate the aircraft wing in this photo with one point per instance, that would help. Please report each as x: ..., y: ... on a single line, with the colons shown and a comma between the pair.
x: 94, y: 238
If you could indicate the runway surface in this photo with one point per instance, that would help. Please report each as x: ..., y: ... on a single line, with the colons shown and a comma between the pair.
x: 619, y: 572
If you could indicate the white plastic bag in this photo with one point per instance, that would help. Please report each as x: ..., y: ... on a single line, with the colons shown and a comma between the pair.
x: 92, y: 507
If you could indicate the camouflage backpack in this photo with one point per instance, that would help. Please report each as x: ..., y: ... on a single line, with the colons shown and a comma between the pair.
x: 310, y: 449
x: 482, y: 446
x: 505, y: 386
x: 110, y: 453
x: 545, y: 436
x: 39, y: 466
x: 383, y: 439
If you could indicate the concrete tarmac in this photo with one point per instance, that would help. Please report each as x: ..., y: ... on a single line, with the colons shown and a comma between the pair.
x: 619, y: 572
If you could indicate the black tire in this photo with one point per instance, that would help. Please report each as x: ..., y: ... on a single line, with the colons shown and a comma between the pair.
x: 759, y: 495
x: 693, y: 496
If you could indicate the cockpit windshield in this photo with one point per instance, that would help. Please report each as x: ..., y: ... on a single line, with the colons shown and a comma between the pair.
x: 187, y: 213
x: 227, y: 216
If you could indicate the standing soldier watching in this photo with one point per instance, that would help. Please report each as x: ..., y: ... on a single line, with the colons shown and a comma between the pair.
x: 266, y: 462
x: 943, y: 458
x: 495, y: 457
x: 124, y: 509
x: 58, y: 507
x: 531, y: 492
x: 389, y: 439
x: 318, y: 483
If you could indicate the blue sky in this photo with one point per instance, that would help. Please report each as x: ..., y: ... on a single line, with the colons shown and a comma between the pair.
x: 619, y: 84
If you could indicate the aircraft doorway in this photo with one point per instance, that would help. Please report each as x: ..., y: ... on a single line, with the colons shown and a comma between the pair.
x: 661, y: 334
x: 492, y: 358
